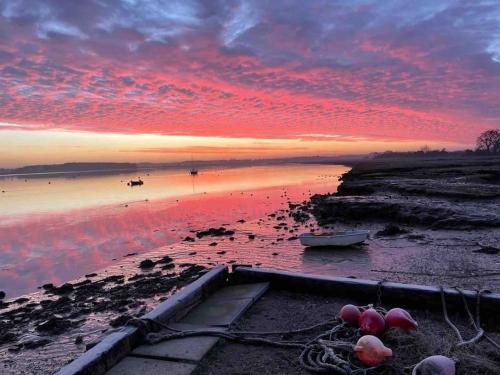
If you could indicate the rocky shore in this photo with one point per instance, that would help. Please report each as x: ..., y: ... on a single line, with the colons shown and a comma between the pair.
x: 446, y: 193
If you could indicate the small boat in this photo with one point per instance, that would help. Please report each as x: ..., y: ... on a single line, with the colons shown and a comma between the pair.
x: 138, y: 182
x: 346, y: 238
x: 193, y: 172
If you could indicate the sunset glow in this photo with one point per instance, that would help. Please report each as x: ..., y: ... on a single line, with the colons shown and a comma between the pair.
x: 243, y: 79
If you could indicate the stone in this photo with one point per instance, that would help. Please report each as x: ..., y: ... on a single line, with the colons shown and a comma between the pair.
x: 135, y: 366
x: 147, y: 263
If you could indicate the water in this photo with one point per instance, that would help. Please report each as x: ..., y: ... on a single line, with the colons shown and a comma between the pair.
x: 55, y: 229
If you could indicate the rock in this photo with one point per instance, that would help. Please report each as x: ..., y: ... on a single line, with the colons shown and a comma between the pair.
x: 251, y: 236
x: 7, y: 337
x: 113, y: 279
x: 2, y: 294
x: 146, y: 263
x: 487, y: 249
x: 120, y: 320
x: 189, y: 239
x: 212, y: 244
x: 82, y: 283
x: 21, y: 300
x: 63, y: 289
x: 54, y: 325
x: 35, y: 342
x: 78, y: 340
x: 165, y: 259
x: 391, y: 230
x: 215, y: 232
x: 91, y: 275
x: 48, y: 286
x: 221, y: 252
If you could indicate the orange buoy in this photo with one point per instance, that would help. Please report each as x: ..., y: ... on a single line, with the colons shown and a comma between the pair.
x: 371, y: 351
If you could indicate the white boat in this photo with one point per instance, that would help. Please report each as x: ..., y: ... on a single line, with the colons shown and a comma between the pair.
x: 339, y: 239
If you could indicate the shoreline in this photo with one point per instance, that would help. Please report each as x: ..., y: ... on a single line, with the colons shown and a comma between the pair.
x: 433, y: 255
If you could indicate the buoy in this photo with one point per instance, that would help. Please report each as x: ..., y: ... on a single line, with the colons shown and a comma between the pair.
x: 371, y: 351
x: 400, y: 318
x: 435, y: 365
x: 350, y: 314
x: 371, y: 322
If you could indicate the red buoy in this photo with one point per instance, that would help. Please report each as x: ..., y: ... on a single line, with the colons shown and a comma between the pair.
x: 350, y: 314
x: 371, y: 322
x: 400, y: 318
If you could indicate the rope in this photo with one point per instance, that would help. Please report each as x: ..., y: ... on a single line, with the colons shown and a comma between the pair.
x: 476, y: 323
x: 331, y: 352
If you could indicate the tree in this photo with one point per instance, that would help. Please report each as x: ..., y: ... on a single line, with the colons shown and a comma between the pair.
x: 489, y: 141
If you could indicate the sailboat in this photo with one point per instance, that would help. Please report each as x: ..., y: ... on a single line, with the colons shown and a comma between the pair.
x: 193, y: 171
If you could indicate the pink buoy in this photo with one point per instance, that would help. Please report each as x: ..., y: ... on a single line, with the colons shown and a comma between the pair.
x: 435, y: 365
x: 350, y: 314
x: 400, y: 318
x: 371, y: 351
x: 371, y: 322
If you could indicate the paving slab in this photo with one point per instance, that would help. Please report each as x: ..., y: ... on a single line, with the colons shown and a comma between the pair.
x: 146, y: 366
x: 189, y: 348
x: 242, y: 291
x: 219, y: 312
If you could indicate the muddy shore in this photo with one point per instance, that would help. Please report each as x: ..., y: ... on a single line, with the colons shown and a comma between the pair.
x: 435, y: 221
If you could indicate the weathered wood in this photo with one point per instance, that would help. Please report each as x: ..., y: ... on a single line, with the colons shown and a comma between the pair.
x: 117, y: 345
x: 365, y: 291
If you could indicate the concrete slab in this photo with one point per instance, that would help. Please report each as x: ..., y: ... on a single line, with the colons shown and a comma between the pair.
x: 140, y: 366
x: 242, y: 291
x: 217, y: 312
x: 190, y: 348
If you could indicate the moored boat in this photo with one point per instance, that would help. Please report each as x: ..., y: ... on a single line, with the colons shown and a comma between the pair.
x: 337, y: 239
x: 138, y: 182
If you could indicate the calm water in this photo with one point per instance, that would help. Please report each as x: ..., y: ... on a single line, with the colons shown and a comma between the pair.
x: 58, y: 229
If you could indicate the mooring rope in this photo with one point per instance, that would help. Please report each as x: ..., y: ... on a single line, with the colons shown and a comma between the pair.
x: 476, y: 323
x: 332, y: 351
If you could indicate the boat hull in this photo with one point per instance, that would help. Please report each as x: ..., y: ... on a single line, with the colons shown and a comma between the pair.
x: 341, y: 240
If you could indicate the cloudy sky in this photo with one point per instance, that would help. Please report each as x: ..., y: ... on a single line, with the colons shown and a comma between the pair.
x: 163, y: 80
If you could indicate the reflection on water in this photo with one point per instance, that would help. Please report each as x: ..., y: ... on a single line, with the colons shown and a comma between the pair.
x: 57, y: 229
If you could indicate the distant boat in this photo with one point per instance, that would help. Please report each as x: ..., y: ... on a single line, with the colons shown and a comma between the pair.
x: 138, y: 182
x: 193, y: 171
x: 338, y: 239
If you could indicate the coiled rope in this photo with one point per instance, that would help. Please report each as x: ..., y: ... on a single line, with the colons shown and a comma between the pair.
x: 331, y: 352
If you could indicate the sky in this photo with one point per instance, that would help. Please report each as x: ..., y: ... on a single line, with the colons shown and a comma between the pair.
x: 150, y: 80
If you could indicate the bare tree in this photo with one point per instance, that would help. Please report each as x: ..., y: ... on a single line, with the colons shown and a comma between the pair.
x: 489, y: 141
